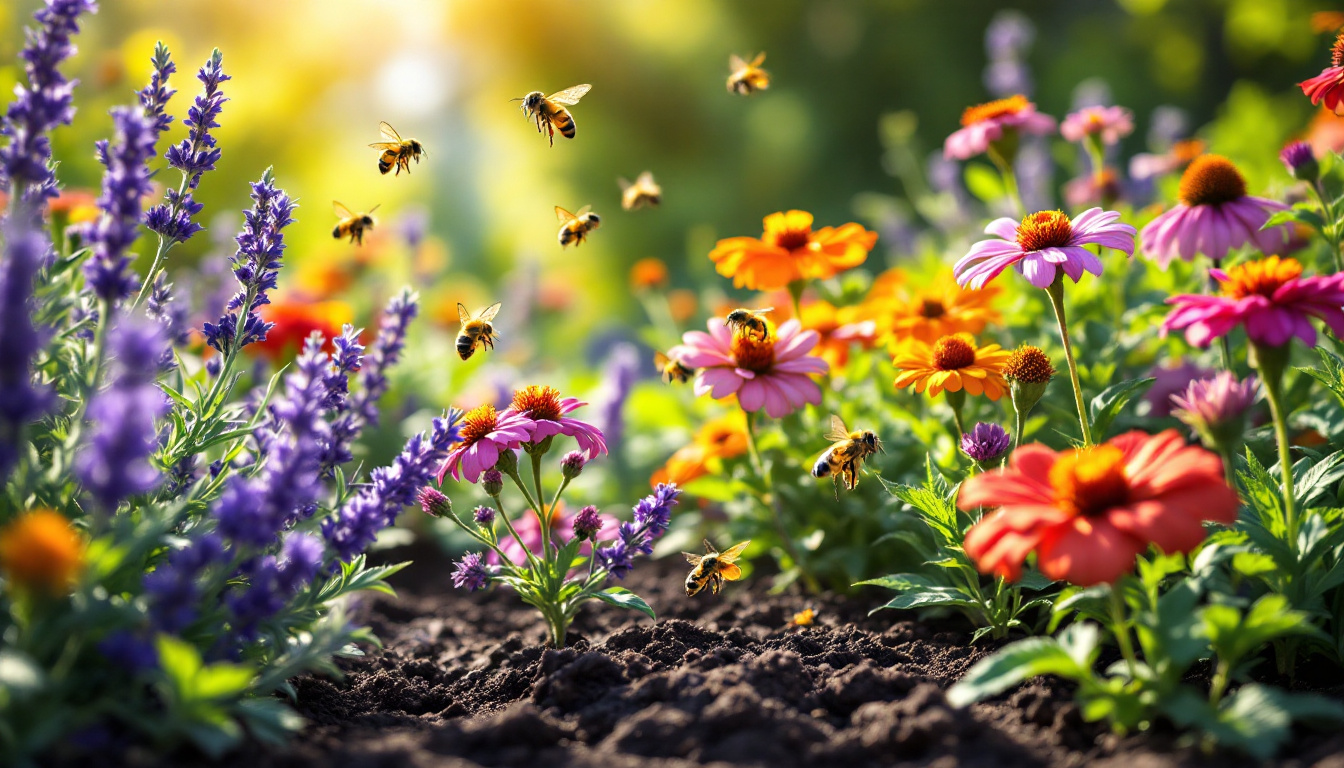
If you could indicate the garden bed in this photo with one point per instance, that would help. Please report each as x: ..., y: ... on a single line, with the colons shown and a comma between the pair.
x: 464, y: 679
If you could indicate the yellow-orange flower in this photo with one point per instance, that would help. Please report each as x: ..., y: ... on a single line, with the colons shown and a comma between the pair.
x: 78, y: 205
x: 791, y: 250
x: 648, y: 274
x: 41, y: 552
x: 721, y: 438
x: 295, y: 320
x: 839, y: 327
x: 927, y: 314
x: 953, y: 363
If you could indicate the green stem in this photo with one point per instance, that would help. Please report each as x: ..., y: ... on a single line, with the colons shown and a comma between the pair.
x: 1271, y: 362
x: 796, y: 298
x: 1224, y: 346
x: 527, y: 552
x: 772, y: 505
x: 1331, y: 228
x: 1056, y: 294
x: 1006, y: 171
x: 1221, y: 677
x: 1121, y: 632
x: 1019, y: 423
x: 957, y: 400
x: 1229, y: 466
x: 543, y: 515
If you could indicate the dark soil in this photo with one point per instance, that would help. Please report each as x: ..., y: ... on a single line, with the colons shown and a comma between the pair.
x: 465, y: 680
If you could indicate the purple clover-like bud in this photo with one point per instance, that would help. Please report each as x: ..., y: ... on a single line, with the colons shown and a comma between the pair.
x: 1300, y: 161
x: 471, y: 572
x: 434, y: 503
x: 571, y: 466
x: 492, y: 482
x: 985, y: 443
x: 484, y: 516
x: 587, y: 523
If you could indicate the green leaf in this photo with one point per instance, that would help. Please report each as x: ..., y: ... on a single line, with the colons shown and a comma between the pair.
x: 269, y: 719
x: 898, y: 581
x: 1258, y: 719
x: 1107, y: 405
x: 1331, y: 372
x: 624, y: 598
x: 1321, y: 477
x: 984, y: 183
x: 564, y: 558
x: 1026, y: 659
x: 178, y: 659
x: 1235, y: 635
x: 928, y: 598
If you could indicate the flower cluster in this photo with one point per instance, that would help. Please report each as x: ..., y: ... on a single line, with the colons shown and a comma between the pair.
x: 652, y: 516
x: 196, y: 154
x: 125, y: 183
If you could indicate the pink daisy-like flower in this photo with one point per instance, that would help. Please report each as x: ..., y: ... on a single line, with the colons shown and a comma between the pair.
x: 546, y: 410
x: 1109, y: 123
x: 1270, y: 297
x: 485, y: 434
x: 1043, y: 242
x: 770, y: 373
x: 984, y: 124
x: 562, y: 530
x: 1214, y: 216
x: 1328, y: 87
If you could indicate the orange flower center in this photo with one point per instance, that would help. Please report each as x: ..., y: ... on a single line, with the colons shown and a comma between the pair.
x: 1211, y: 180
x: 951, y: 353
x: 1260, y: 278
x: 990, y: 110
x: 1044, y: 229
x: 1337, y: 52
x: 932, y: 309
x: 478, y: 423
x: 539, y: 402
x: 752, y: 353
x: 1028, y: 364
x: 790, y: 239
x: 1090, y: 480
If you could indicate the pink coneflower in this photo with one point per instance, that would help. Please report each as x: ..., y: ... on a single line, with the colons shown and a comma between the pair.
x: 546, y: 410
x: 1216, y: 407
x: 771, y: 373
x: 984, y: 124
x: 1110, y: 124
x: 1214, y: 216
x: 1270, y: 297
x: 1042, y: 242
x: 485, y: 434
x: 1327, y: 88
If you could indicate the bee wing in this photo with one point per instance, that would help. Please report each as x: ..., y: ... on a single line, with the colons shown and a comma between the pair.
x: 661, y: 360
x: 759, y: 60
x: 489, y: 312
x: 709, y: 548
x: 583, y: 210
x: 734, y: 552
x: 374, y: 208
x: 624, y: 182
x: 463, y: 316
x: 570, y: 96
x: 736, y: 63
x: 692, y: 559
x: 730, y: 571
x: 763, y: 310
x: 838, y: 429
x: 389, y: 132
x: 564, y: 216
x: 341, y: 210
x: 386, y: 145
x: 645, y: 179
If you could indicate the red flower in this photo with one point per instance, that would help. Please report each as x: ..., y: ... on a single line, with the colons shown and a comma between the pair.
x: 1327, y: 88
x: 1088, y: 513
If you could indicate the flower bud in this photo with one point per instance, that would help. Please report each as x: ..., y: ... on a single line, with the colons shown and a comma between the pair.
x: 571, y: 466
x: 507, y: 462
x: 1028, y: 372
x: 540, y: 447
x: 1298, y: 158
x: 1216, y: 409
x: 985, y: 443
x: 587, y: 523
x: 492, y: 482
x: 434, y: 503
x: 484, y: 516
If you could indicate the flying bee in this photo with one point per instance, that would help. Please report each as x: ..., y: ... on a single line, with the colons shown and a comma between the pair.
x: 641, y: 192
x: 574, y: 227
x: 747, y: 78
x: 397, y: 151
x: 672, y: 370
x: 713, y: 568
x: 351, y: 225
x: 846, y: 455
x: 475, y: 330
x: 750, y: 322
x: 549, y: 111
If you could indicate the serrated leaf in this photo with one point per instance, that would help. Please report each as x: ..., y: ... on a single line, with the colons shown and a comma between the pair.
x: 1107, y: 405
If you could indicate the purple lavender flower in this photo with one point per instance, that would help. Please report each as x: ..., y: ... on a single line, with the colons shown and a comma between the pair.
x: 1008, y: 40
x: 46, y: 101
x: 256, y: 264
x: 167, y: 311
x: 390, y: 489
x: 196, y: 154
x: 434, y: 503
x: 1167, y: 125
x: 1300, y: 161
x: 587, y: 523
x: 300, y: 561
x: 115, y: 463
x: 347, y: 358
x: 155, y: 96
x: 173, y: 587
x: 257, y: 597
x: 1215, y: 408
x: 129, y: 651
x: 621, y: 373
x: 484, y: 516
x: 471, y: 572
x: 571, y: 466
x: 125, y: 182
x: 21, y: 401
x: 384, y: 354
x: 985, y: 442
x: 652, y: 515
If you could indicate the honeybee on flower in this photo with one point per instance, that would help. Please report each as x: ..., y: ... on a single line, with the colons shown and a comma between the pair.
x: 750, y: 322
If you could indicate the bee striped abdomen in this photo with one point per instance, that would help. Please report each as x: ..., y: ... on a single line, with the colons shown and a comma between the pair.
x: 564, y: 123
x: 465, y: 346
x: 823, y: 466
x: 386, y: 161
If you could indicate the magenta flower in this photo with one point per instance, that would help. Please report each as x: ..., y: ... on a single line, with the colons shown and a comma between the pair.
x: 546, y: 410
x: 1270, y: 297
x: 770, y: 373
x: 984, y: 124
x: 1044, y: 241
x: 1109, y: 123
x: 485, y: 434
x: 1327, y: 88
x: 1209, y: 405
x: 1214, y: 216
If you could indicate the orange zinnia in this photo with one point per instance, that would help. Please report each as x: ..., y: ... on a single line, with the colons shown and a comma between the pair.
x: 1087, y: 513
x: 790, y: 251
x: 953, y: 363
x: 940, y: 309
x: 40, y: 551
x: 721, y: 438
x: 295, y: 320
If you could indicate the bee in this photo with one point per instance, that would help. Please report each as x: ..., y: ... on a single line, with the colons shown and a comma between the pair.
x: 672, y: 370
x: 397, y: 151
x: 643, y: 191
x: 747, y: 77
x: 846, y: 455
x: 574, y: 227
x: 475, y: 329
x: 550, y: 110
x: 351, y: 225
x: 750, y: 322
x: 713, y: 568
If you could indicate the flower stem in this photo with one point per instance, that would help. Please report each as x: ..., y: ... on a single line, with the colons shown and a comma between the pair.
x: 527, y: 552
x: 796, y: 298
x: 1005, y: 167
x: 770, y: 500
x: 1271, y: 362
x: 543, y: 514
x: 1056, y: 293
x: 1121, y: 632
x: 957, y: 400
x: 1331, y: 230
x: 1019, y: 423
